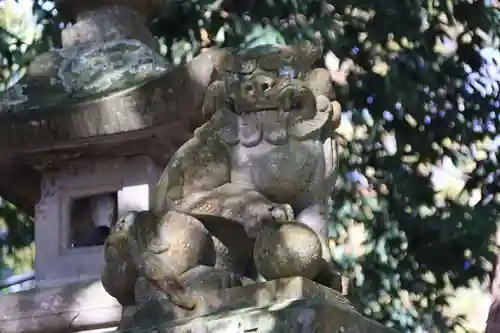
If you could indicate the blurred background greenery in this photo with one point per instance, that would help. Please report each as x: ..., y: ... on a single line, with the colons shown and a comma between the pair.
x: 415, y: 215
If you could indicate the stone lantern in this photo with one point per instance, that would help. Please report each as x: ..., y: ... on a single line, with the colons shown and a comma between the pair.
x: 84, y: 137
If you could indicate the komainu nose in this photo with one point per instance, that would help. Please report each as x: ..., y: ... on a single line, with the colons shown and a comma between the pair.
x: 259, y: 86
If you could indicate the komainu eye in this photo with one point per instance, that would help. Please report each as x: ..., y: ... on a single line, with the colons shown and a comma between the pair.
x: 287, y: 71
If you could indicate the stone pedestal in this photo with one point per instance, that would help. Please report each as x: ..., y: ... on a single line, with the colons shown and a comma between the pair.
x: 293, y: 305
x: 295, y: 316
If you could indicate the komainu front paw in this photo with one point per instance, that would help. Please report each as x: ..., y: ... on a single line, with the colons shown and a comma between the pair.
x: 282, y: 213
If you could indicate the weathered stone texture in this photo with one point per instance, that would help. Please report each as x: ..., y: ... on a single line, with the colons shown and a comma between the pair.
x: 293, y: 305
x: 299, y: 316
x: 175, y: 97
x: 74, y: 307
x: 55, y: 261
x: 252, y: 295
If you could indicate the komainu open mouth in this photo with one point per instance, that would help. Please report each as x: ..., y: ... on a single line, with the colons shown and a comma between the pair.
x: 294, y: 105
x: 264, y: 109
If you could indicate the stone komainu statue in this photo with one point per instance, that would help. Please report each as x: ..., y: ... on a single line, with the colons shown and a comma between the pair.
x: 247, y: 195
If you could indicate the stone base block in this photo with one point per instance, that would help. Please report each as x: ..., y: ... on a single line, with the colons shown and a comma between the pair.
x: 293, y: 305
x: 299, y: 316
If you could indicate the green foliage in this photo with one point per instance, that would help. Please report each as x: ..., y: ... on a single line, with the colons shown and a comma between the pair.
x: 424, y: 236
x: 23, y: 35
x: 17, y: 252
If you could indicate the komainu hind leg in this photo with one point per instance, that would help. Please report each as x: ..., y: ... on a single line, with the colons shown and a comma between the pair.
x: 165, y: 248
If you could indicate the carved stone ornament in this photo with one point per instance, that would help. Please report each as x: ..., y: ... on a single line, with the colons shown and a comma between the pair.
x: 246, y: 197
x: 83, y: 72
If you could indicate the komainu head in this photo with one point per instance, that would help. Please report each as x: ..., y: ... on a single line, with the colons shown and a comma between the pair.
x: 274, y: 90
